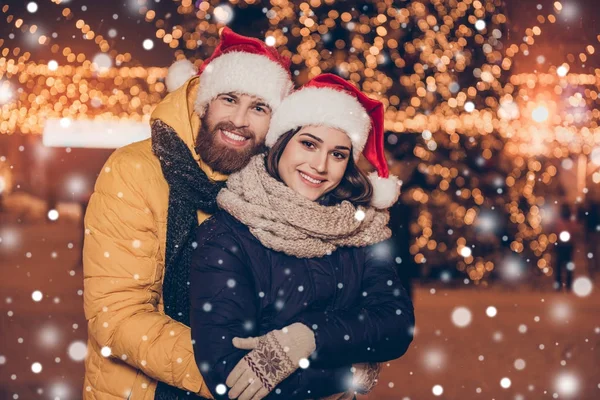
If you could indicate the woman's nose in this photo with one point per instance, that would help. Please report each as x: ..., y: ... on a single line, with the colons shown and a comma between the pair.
x: 319, y: 162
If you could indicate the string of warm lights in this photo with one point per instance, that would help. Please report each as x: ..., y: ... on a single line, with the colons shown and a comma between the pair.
x: 422, y: 90
x: 81, y: 92
x: 450, y: 118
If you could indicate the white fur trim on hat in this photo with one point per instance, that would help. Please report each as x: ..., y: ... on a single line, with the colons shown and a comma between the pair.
x: 179, y: 73
x: 385, y: 190
x: 246, y: 73
x: 322, y: 106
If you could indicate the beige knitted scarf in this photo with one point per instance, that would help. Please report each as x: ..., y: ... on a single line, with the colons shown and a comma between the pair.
x: 283, y: 220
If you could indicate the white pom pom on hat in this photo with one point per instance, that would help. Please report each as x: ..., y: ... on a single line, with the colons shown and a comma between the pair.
x: 179, y: 73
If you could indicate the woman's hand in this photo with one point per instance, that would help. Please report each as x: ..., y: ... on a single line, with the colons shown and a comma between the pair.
x: 366, y: 376
x: 274, y: 357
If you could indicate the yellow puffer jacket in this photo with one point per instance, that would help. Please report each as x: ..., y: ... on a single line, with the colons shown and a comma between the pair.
x: 132, y: 343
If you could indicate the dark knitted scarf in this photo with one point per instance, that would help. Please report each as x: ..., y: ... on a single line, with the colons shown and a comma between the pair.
x: 190, y: 190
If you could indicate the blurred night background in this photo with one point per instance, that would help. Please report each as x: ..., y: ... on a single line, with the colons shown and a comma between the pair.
x: 492, y: 117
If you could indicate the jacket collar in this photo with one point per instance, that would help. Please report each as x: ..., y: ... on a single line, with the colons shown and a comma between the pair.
x: 177, y: 111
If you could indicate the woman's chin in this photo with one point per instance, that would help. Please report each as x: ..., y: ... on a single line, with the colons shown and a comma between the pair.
x: 311, y: 195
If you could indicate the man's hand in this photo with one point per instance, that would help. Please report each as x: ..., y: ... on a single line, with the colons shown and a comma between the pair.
x: 274, y: 357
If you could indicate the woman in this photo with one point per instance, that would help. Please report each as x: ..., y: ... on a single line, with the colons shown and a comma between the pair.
x: 295, y: 267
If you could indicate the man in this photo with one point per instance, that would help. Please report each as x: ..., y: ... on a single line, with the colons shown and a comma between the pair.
x: 148, y: 199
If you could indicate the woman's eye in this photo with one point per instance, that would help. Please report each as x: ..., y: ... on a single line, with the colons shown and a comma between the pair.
x: 310, y: 145
x: 339, y: 156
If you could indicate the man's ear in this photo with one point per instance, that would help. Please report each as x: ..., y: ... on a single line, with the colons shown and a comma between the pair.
x: 201, y: 110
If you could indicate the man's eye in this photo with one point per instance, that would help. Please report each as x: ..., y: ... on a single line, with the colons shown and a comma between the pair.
x: 228, y: 99
x: 260, y: 109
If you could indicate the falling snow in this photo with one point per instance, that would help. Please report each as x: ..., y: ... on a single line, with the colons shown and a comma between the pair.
x: 468, y: 341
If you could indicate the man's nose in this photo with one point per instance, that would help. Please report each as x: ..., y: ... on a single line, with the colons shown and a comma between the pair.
x: 240, y: 117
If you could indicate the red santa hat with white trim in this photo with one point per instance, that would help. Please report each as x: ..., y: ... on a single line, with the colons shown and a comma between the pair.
x: 332, y: 101
x: 239, y: 64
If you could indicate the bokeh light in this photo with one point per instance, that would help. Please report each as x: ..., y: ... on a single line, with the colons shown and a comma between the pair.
x: 540, y: 114
x: 77, y: 351
x: 461, y: 317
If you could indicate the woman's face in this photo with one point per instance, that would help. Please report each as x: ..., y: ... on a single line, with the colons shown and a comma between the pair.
x: 314, y: 161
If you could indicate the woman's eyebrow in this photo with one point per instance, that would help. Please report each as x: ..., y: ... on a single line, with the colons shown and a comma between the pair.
x: 318, y: 139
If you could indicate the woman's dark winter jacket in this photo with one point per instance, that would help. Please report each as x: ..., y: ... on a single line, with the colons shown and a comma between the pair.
x: 352, y: 299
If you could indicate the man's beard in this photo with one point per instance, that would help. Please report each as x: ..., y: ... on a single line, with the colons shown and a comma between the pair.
x: 218, y: 155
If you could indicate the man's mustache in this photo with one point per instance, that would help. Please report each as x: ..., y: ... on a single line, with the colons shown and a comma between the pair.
x: 228, y: 126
